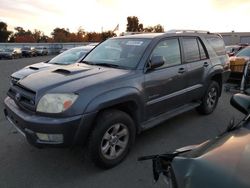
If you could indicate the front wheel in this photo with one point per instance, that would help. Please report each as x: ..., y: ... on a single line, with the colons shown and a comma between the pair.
x: 210, y: 99
x: 111, y: 139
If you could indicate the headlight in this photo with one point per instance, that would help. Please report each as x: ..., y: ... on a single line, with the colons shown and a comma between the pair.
x: 56, y: 102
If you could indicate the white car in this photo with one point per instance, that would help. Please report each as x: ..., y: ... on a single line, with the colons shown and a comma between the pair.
x: 73, y: 55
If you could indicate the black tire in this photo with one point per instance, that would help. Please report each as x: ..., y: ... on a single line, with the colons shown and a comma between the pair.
x: 210, y: 99
x: 104, y: 141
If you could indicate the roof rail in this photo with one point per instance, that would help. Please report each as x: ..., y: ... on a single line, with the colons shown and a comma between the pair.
x: 187, y: 31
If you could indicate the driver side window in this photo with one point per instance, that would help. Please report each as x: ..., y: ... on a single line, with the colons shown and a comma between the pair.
x: 170, y: 50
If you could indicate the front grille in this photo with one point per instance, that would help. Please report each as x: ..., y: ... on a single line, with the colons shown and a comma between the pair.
x: 23, y: 97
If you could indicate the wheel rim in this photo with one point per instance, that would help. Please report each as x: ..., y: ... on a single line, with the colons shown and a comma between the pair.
x: 115, y: 141
x: 212, y: 97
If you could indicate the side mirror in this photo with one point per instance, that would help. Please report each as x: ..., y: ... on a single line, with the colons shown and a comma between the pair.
x: 241, y: 102
x: 156, y: 61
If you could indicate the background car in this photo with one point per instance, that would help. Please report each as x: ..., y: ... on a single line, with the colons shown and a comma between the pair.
x: 233, y: 49
x: 238, y: 61
x: 63, y: 50
x: 10, y: 53
x: 68, y: 57
x: 28, y: 51
x: 41, y: 50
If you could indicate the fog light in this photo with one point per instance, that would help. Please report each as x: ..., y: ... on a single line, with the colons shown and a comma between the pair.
x: 58, y: 138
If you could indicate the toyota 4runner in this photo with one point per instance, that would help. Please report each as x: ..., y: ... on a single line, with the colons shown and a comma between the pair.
x: 122, y: 87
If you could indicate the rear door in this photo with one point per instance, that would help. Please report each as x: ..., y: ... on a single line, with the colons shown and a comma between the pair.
x: 164, y: 86
x: 196, y: 59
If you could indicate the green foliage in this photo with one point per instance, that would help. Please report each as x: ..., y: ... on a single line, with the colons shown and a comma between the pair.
x: 133, y: 24
x: 155, y: 29
x: 4, y: 33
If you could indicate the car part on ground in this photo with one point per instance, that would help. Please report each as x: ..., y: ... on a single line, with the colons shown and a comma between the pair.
x: 123, y: 86
x: 220, y: 162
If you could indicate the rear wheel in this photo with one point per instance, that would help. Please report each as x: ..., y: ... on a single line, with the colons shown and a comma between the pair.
x: 111, y: 139
x: 210, y: 99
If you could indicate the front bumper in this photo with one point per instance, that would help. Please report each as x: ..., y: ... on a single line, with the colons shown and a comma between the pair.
x: 30, y: 124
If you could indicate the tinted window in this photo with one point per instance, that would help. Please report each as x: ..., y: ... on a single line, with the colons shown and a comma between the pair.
x: 217, y: 44
x: 202, y: 51
x: 191, y: 49
x: 170, y: 50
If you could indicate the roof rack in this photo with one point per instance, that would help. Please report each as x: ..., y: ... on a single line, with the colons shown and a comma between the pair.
x: 187, y: 31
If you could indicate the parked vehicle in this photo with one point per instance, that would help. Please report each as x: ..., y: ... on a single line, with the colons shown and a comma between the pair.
x: 223, y: 161
x: 68, y: 57
x: 233, y: 49
x: 237, y: 65
x: 28, y: 51
x: 63, y: 50
x: 41, y: 50
x: 123, y: 86
x: 10, y: 53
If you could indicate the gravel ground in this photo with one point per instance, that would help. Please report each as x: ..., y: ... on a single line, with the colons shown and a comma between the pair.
x: 22, y: 165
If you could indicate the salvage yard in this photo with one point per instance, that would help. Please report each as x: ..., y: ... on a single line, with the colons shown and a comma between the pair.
x: 22, y: 165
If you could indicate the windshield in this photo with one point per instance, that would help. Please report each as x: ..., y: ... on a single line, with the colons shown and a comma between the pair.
x: 244, y: 52
x: 70, y: 56
x: 119, y: 52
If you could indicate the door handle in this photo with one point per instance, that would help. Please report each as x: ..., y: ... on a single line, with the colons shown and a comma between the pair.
x: 206, y: 64
x: 181, y: 70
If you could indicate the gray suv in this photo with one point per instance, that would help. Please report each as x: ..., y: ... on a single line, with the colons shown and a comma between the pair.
x: 124, y: 86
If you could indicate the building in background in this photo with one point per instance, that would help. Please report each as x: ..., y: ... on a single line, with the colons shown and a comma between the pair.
x: 232, y: 38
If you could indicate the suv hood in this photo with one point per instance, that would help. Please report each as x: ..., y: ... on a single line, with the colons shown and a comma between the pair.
x: 26, y: 71
x: 77, y: 76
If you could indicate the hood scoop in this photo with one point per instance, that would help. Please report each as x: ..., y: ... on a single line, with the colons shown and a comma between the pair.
x: 69, y: 71
x: 34, y: 68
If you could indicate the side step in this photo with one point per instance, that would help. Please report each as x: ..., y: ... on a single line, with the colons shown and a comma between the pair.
x: 163, y: 117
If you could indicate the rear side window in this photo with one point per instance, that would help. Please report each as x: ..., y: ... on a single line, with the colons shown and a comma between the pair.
x: 191, y: 49
x: 202, y: 51
x: 217, y: 44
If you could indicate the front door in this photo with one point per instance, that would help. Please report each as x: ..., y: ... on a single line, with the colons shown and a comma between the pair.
x: 164, y: 87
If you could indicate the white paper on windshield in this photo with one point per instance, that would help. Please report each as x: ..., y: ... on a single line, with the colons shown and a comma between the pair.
x: 134, y: 43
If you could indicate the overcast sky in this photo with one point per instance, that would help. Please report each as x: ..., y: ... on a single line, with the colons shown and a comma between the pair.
x: 95, y: 15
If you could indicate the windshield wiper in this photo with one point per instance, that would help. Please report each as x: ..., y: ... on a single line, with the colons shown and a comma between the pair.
x: 107, y: 65
x: 86, y: 62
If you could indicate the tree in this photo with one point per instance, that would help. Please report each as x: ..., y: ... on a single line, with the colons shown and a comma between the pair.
x: 22, y: 36
x: 158, y: 28
x: 148, y: 29
x: 4, y: 33
x: 92, y: 37
x: 133, y: 24
x: 61, y: 35
x: 107, y: 34
x: 155, y: 29
x: 39, y: 36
